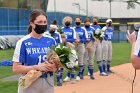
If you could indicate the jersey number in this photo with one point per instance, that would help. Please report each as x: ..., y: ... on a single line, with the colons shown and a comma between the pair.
x: 41, y: 58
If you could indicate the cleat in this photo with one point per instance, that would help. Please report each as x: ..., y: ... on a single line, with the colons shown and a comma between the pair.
x: 59, y: 84
x: 88, y: 74
x: 67, y: 79
x: 77, y: 78
x: 92, y: 78
x: 103, y: 74
x: 110, y: 72
x: 82, y: 77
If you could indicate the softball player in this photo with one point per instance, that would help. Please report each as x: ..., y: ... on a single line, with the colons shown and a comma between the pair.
x: 98, y: 48
x: 107, y: 46
x: 81, y: 45
x: 53, y: 32
x: 89, y: 51
x: 30, y: 53
x: 70, y: 36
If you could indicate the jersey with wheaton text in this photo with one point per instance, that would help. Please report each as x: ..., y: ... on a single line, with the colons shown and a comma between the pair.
x: 137, y: 45
x: 82, y: 33
x: 32, y: 51
x: 90, y: 31
x: 108, y: 33
x: 69, y: 33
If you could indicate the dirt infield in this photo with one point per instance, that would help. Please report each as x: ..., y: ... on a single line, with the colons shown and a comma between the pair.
x: 119, y: 82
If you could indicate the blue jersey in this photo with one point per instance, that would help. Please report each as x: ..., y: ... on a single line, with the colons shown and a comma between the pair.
x: 108, y: 33
x: 90, y: 31
x: 82, y: 33
x: 137, y: 45
x: 32, y: 51
x: 69, y: 33
x: 56, y: 36
x: 96, y: 26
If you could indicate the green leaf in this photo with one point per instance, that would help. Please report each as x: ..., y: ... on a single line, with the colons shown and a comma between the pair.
x: 58, y: 51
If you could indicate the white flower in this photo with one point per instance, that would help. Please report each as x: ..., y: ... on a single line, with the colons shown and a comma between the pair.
x: 73, y: 56
x: 102, y: 34
x: 97, y: 31
x: 70, y: 64
x: 76, y: 63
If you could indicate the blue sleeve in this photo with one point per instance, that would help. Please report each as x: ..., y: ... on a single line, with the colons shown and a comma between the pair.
x: 84, y: 38
x: 22, y: 57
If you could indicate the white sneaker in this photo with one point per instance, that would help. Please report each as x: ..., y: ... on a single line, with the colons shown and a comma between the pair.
x: 67, y: 79
x: 77, y: 78
x: 103, y: 74
x: 88, y: 74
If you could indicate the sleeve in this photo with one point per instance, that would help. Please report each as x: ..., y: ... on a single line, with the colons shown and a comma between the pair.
x: 104, y: 28
x: 93, y: 28
x: 60, y: 39
x: 19, y: 53
x: 74, y: 33
x: 86, y: 34
x: 137, y: 45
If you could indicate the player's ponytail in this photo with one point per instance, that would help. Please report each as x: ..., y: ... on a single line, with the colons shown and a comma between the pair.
x: 29, y: 29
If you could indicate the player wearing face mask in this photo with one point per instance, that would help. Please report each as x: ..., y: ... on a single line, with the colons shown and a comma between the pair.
x: 71, y: 37
x: 88, y: 57
x: 53, y: 32
x: 107, y: 46
x: 98, y: 47
x: 80, y: 48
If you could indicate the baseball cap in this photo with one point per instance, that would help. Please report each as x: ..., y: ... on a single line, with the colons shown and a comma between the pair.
x: 108, y: 20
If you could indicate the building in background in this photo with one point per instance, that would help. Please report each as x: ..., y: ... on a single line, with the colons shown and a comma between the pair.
x: 123, y: 18
x: 15, y: 13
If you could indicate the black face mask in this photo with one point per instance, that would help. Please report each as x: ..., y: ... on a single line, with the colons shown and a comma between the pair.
x: 87, y: 26
x: 109, y: 24
x: 67, y: 24
x: 78, y: 23
x: 95, y: 23
x: 39, y: 29
x: 52, y: 31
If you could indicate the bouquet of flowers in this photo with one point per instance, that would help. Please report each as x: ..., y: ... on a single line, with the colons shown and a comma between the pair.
x: 68, y: 57
x: 99, y: 34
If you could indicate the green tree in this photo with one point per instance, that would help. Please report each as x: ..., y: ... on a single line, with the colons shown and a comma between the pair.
x: 132, y: 4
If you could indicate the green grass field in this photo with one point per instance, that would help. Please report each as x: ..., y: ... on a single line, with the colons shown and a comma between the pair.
x: 121, y: 55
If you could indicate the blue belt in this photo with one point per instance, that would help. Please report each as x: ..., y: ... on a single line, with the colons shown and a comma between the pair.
x: 44, y: 74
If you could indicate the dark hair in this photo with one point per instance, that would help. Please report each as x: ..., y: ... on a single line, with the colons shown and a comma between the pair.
x: 94, y: 17
x: 54, y: 22
x: 78, y: 17
x: 34, y: 14
x: 87, y: 20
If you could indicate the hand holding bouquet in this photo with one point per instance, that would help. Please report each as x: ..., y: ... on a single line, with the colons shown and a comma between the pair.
x: 99, y: 35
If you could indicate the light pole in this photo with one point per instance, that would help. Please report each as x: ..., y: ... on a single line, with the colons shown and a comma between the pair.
x: 55, y: 8
x: 110, y: 7
x: 87, y: 8
x: 77, y: 4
